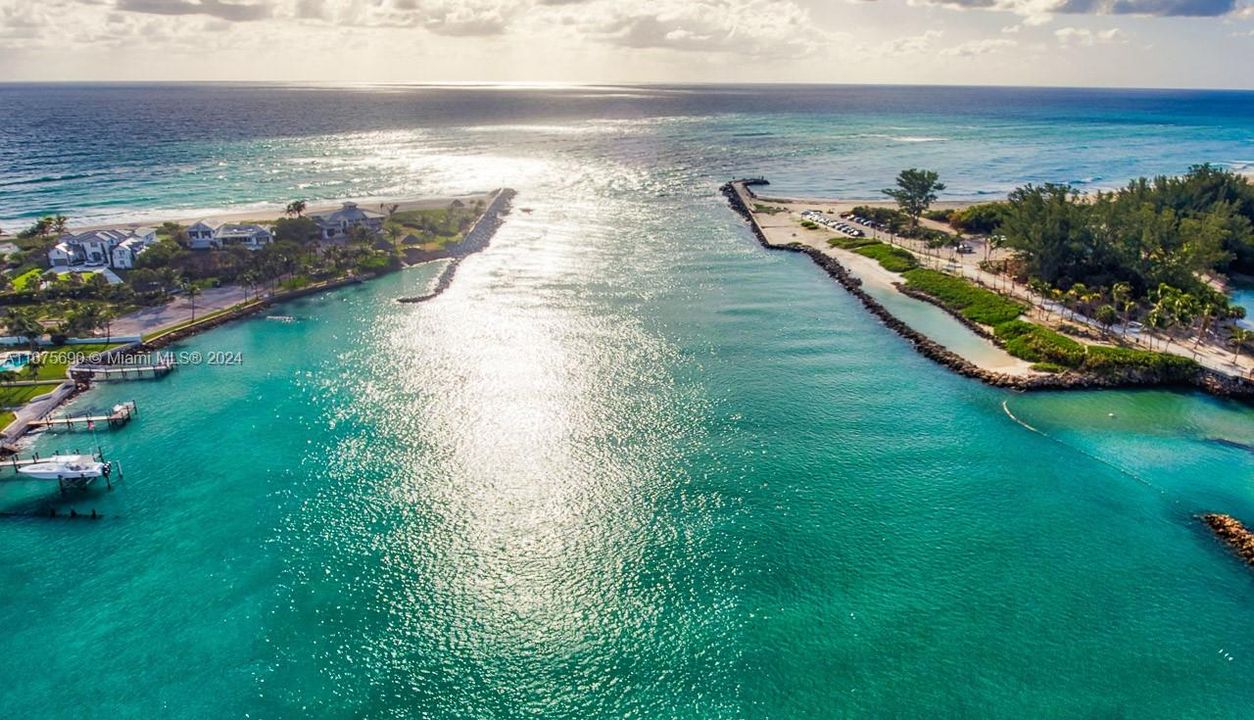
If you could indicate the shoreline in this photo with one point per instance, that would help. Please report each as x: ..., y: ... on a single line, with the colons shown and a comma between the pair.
x: 476, y: 240
x: 739, y: 192
x: 267, y: 212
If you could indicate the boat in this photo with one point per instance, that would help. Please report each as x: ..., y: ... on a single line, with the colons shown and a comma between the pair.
x: 66, y: 467
x: 281, y: 318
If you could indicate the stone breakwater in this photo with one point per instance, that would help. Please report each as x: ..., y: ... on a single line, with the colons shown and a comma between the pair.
x: 1233, y: 533
x: 1206, y: 380
x: 477, y: 239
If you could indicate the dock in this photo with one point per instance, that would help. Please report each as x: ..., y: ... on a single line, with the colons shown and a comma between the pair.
x: 159, y: 369
x: 118, y: 416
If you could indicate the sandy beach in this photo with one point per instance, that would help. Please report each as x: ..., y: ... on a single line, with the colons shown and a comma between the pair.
x: 270, y: 213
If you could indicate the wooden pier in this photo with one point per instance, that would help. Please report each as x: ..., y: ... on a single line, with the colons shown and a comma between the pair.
x: 118, y: 416
x: 160, y: 369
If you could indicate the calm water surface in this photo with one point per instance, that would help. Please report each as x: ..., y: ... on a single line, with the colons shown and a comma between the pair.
x: 630, y: 464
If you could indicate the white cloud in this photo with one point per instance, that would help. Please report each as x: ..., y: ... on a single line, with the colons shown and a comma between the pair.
x: 751, y: 27
x: 910, y: 45
x: 979, y: 47
x: 1088, y: 38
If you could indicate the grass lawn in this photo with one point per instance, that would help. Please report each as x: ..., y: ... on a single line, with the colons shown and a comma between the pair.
x: 6, y: 417
x: 20, y: 282
x: 18, y: 395
x: 436, y: 228
x: 972, y: 301
x: 56, y: 359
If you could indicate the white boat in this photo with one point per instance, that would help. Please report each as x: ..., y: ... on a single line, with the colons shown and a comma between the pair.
x: 66, y: 467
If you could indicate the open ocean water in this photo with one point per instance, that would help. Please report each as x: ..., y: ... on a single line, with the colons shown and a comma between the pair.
x: 630, y: 465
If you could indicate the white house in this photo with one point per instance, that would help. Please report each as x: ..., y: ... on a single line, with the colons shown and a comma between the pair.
x: 95, y: 248
x: 340, y: 222
x: 124, y: 253
x: 200, y: 236
x: 248, y: 235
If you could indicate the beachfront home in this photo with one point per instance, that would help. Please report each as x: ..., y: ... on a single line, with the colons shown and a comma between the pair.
x: 247, y: 235
x: 200, y: 236
x: 339, y: 223
x: 124, y: 253
x: 95, y: 248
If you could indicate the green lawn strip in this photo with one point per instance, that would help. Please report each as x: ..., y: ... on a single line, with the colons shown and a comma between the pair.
x: 852, y: 243
x: 54, y: 360
x: 20, y: 282
x: 19, y: 395
x: 973, y: 302
x: 7, y: 418
x: 893, y: 259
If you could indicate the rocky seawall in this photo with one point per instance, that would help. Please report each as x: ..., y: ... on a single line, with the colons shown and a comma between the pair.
x: 476, y: 239
x: 1209, y: 381
x: 1235, y: 535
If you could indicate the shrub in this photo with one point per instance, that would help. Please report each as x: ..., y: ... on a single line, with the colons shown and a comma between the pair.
x: 851, y: 243
x: 1053, y: 352
x: 808, y: 225
x: 973, y: 302
x: 1103, y: 359
x: 1048, y: 367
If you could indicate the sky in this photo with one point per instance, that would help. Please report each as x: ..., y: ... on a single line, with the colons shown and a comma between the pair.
x: 1107, y: 43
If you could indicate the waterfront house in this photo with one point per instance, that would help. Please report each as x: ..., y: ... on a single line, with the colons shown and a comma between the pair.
x: 200, y: 236
x: 124, y: 253
x: 341, y: 222
x: 247, y: 235
x: 96, y: 248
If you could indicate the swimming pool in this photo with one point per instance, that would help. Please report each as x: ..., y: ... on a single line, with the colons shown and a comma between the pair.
x: 13, y: 361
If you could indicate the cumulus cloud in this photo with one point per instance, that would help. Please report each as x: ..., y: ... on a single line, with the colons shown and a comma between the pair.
x: 235, y: 12
x: 1086, y: 37
x: 757, y: 27
x: 910, y: 44
x: 1045, y: 8
x: 972, y: 48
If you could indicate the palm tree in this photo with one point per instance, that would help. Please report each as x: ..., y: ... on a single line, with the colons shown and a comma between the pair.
x: 1121, y: 295
x: 249, y: 280
x: 1206, y: 315
x: 105, y: 317
x: 296, y: 208
x: 1240, y: 336
x: 23, y: 323
x: 191, y: 291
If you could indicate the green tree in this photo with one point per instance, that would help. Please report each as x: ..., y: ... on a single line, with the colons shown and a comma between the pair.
x: 23, y: 323
x: 1107, y: 316
x: 916, y: 190
x: 296, y: 208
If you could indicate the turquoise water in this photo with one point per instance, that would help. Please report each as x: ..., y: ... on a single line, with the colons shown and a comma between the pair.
x: 629, y: 465
x: 1244, y: 296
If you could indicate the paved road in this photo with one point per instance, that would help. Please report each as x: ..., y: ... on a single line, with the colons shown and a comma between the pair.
x: 177, y: 310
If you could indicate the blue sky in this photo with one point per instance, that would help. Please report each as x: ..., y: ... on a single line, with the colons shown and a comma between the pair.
x: 1147, y: 43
